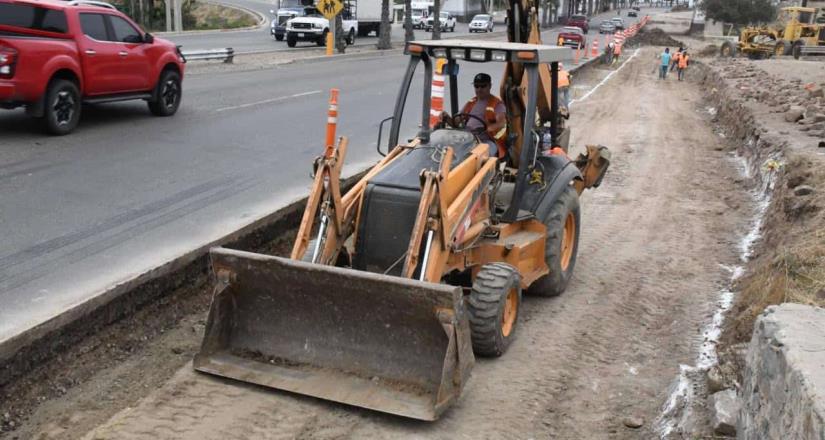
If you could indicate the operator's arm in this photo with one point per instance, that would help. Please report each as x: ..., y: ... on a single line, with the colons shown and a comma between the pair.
x: 501, y: 121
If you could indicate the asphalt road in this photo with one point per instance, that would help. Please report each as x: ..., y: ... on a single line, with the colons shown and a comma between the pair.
x: 128, y: 191
x: 259, y: 40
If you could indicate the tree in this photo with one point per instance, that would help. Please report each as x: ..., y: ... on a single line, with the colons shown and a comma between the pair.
x: 436, y: 19
x: 409, y: 35
x: 385, y: 31
x: 340, y: 38
x: 739, y: 12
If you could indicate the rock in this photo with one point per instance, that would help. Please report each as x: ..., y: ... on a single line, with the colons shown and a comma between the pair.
x: 815, y: 91
x: 634, y: 422
x: 818, y: 117
x: 795, y: 113
x: 724, y: 407
x: 803, y: 190
x: 715, y: 381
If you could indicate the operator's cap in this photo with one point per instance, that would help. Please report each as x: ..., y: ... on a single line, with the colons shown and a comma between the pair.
x: 482, y: 78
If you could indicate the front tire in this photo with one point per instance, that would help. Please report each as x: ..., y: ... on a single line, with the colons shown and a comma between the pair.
x: 167, y: 94
x: 351, y: 37
x: 561, y: 244
x: 62, y: 109
x: 291, y: 40
x: 493, y: 306
x: 322, y: 41
x: 279, y: 38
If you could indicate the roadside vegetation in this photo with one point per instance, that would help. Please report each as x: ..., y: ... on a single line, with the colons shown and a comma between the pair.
x: 197, y: 15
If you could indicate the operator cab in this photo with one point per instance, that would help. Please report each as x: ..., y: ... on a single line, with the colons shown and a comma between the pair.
x: 531, y: 112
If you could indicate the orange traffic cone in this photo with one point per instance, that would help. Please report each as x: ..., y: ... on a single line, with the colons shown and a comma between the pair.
x: 332, y: 123
x: 595, y: 48
x: 437, y: 95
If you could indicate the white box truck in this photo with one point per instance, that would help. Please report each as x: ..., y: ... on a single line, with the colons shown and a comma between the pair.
x: 367, y: 13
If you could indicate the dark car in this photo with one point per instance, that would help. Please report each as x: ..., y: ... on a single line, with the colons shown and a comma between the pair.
x: 579, y: 21
x: 632, y: 14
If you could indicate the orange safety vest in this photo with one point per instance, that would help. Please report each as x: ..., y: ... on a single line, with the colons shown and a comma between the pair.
x: 617, y: 49
x: 490, y: 116
x: 683, y: 61
x: 564, y: 78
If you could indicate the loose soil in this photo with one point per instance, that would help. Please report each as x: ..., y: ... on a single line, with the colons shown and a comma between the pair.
x: 654, y: 238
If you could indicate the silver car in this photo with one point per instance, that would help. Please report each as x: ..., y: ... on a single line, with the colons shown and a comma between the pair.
x: 618, y: 22
x: 607, y: 27
x: 482, y: 23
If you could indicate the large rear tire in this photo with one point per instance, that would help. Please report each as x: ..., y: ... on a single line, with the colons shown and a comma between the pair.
x: 493, y: 306
x: 561, y: 245
x: 728, y: 50
x: 781, y: 48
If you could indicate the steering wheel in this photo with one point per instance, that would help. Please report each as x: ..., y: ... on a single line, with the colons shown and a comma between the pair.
x: 459, y: 120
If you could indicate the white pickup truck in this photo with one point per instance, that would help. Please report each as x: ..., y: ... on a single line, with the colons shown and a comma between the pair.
x: 314, y: 27
x: 446, y: 22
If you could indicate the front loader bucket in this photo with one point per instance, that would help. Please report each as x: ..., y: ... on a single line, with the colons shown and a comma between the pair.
x: 386, y: 343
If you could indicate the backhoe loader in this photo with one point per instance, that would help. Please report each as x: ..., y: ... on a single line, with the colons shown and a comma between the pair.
x: 393, y: 286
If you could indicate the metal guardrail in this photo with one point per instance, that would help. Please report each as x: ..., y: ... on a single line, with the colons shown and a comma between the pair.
x: 227, y: 54
x: 799, y: 51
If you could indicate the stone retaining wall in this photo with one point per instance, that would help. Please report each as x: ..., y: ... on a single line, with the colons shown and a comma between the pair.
x: 783, y: 394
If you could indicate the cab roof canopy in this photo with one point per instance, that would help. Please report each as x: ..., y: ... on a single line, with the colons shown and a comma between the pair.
x: 484, y: 51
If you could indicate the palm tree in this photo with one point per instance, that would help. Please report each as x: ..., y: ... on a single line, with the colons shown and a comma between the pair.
x: 340, y: 43
x: 409, y: 35
x: 384, y: 31
x: 436, y: 19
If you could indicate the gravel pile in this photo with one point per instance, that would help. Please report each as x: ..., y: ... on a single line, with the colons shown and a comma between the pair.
x: 656, y: 37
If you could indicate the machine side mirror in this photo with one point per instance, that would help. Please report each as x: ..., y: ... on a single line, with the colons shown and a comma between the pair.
x: 148, y: 38
x: 380, y: 130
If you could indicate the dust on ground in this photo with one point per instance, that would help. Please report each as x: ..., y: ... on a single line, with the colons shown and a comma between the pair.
x: 653, y: 238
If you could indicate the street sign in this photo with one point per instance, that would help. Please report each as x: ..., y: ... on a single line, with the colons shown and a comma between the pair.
x: 330, y: 8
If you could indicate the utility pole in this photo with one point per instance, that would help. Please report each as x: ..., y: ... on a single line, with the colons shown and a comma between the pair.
x: 168, y: 15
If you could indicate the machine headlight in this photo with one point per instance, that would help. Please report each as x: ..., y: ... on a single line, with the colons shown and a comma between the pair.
x: 440, y: 52
x: 498, y: 56
x: 317, y: 26
x: 478, y: 55
x: 458, y: 54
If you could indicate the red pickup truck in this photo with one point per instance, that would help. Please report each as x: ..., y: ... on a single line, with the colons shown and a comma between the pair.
x: 56, y: 55
x: 579, y: 21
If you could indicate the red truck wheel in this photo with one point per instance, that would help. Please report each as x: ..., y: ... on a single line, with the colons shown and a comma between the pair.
x: 62, y: 109
x: 167, y: 94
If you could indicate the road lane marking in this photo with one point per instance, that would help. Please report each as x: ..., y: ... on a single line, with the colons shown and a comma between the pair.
x: 267, y: 101
x: 607, y: 78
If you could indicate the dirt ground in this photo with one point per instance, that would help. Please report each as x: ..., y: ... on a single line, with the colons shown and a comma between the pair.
x: 654, y: 238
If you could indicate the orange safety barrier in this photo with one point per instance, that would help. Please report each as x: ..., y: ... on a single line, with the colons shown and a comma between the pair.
x: 332, y: 123
x: 437, y: 93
